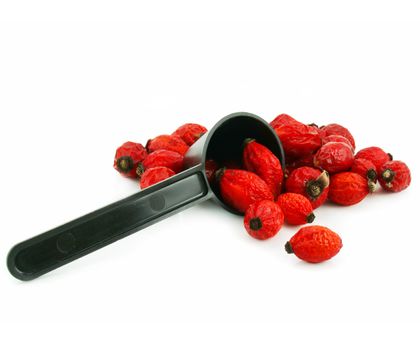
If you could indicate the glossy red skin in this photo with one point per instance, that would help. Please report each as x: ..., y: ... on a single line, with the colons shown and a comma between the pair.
x: 296, y: 208
x: 297, y: 181
x: 170, y: 142
x: 163, y: 157
x: 270, y: 216
x: 315, y: 244
x: 362, y: 167
x: 240, y: 188
x: 154, y: 175
x: 348, y: 188
x: 211, y: 168
x: 261, y: 161
x: 337, y: 138
x: 334, y: 157
x: 376, y: 155
x: 190, y: 132
x: 402, y: 177
x: 337, y: 129
x: 297, y: 139
x: 135, y: 151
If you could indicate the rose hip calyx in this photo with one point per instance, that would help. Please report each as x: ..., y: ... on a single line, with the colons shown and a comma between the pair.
x: 388, y: 175
x: 288, y: 248
x: 310, y: 218
x: 125, y: 164
x: 315, y: 187
x: 255, y: 224
x: 371, y: 175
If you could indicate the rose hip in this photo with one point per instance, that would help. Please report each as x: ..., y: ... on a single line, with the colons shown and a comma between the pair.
x: 263, y: 219
x: 154, y: 175
x: 348, y: 188
x: 261, y: 161
x: 211, y: 168
x: 169, y: 142
x: 376, y: 155
x: 366, y: 169
x: 337, y: 129
x: 394, y: 176
x: 314, y: 244
x: 190, y: 132
x: 334, y: 157
x: 127, y: 158
x: 311, y: 183
x: 296, y: 208
x: 161, y: 157
x: 240, y: 188
x: 298, y: 139
x: 337, y: 138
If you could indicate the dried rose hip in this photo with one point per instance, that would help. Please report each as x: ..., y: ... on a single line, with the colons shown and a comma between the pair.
x: 240, y: 188
x: 170, y: 142
x: 294, y: 163
x: 334, y: 157
x: 376, y: 155
x: 337, y: 129
x: 337, y: 138
x: 263, y: 219
x: 310, y: 182
x: 190, y: 132
x: 367, y: 169
x: 161, y: 157
x: 394, y: 176
x: 348, y: 188
x: 211, y: 168
x: 298, y: 139
x: 296, y: 208
x: 127, y: 158
x: 154, y: 175
x: 314, y: 244
x: 261, y: 161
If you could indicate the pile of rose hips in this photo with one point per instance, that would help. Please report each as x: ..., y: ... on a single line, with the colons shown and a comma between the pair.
x: 321, y: 165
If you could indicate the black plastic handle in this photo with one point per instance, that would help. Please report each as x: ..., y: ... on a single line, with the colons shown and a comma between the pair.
x: 50, y: 250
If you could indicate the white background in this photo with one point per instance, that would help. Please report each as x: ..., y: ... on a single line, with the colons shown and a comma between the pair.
x: 71, y: 92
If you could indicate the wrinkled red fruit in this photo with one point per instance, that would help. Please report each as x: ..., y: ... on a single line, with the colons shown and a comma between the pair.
x: 296, y: 208
x: 161, y: 157
x: 127, y: 158
x: 294, y: 163
x: 311, y: 183
x: 298, y: 139
x: 261, y: 161
x: 190, y: 132
x: 337, y: 138
x: 337, y: 129
x: 240, y: 188
x: 376, y: 155
x: 334, y: 157
x: 348, y: 188
x: 395, y: 176
x: 263, y: 219
x: 211, y: 168
x: 170, y: 142
x: 314, y: 244
x: 367, y: 169
x: 154, y: 175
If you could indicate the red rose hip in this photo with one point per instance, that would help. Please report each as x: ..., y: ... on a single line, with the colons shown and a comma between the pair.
x: 170, y: 142
x: 314, y: 244
x: 240, y: 188
x: 348, y: 188
x: 261, y: 161
x: 127, y: 158
x: 395, y: 176
x: 337, y: 129
x: 190, y: 132
x: 263, y: 219
x: 376, y: 155
x: 161, y: 157
x: 296, y: 208
x: 336, y: 138
x: 311, y: 183
x: 154, y: 175
x: 334, y: 157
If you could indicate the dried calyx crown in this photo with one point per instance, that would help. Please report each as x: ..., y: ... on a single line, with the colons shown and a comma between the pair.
x: 125, y: 164
x: 255, y: 224
x: 314, y: 188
